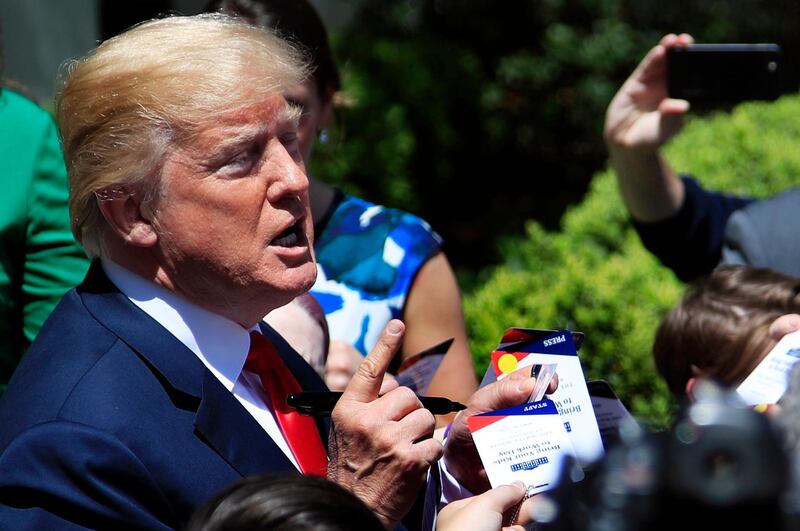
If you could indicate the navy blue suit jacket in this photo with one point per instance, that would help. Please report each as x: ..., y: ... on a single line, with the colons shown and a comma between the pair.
x: 110, y: 422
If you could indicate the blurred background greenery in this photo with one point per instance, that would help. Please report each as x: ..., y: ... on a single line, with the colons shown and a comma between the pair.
x: 480, y: 115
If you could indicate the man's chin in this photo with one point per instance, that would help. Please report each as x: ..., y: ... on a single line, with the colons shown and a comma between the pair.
x: 312, y: 278
x: 306, y: 275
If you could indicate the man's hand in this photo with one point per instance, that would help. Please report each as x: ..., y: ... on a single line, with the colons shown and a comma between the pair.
x: 639, y: 120
x: 342, y: 363
x: 381, y: 447
x: 641, y: 116
x: 461, y: 455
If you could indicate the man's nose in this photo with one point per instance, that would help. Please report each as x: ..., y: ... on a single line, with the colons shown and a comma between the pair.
x: 289, y: 179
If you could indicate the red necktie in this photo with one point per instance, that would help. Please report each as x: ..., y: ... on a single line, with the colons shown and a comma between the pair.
x: 299, y: 431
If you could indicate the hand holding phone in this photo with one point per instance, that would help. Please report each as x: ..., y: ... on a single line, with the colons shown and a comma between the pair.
x: 641, y: 117
x: 724, y: 73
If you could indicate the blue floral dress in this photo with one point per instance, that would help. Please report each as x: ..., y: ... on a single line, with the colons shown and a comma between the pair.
x: 367, y: 258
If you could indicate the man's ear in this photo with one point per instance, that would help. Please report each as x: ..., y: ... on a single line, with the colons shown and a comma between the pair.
x: 125, y: 215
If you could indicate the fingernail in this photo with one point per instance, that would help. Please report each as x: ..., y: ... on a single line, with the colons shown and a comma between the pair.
x: 394, y: 328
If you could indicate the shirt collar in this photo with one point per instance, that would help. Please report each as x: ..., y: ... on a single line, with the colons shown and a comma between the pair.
x: 221, y: 344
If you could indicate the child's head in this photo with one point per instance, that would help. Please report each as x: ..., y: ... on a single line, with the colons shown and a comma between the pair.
x: 720, y: 328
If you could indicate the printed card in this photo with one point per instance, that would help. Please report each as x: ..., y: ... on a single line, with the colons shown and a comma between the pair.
x: 516, y: 339
x: 525, y: 443
x: 768, y: 381
x: 571, y: 398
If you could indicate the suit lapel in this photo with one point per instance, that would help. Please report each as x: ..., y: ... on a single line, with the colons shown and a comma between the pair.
x: 234, y: 434
x: 220, y: 420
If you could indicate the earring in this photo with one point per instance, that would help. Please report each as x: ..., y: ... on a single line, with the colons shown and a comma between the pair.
x: 323, y: 136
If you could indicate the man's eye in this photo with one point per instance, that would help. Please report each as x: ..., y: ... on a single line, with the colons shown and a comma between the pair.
x: 291, y: 142
x: 289, y: 139
x: 242, y: 161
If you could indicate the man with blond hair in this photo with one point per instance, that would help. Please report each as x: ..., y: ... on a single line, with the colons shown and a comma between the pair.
x: 153, y: 385
x: 188, y: 188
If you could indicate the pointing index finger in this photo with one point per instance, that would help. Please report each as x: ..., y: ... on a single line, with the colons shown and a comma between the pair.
x: 366, y: 382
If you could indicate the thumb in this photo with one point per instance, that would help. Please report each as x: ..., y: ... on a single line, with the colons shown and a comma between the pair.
x: 672, y: 106
x: 513, y: 390
x: 366, y: 382
x: 500, y: 499
x: 785, y: 324
x: 671, y: 113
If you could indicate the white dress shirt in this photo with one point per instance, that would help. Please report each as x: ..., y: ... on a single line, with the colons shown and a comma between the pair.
x: 221, y: 344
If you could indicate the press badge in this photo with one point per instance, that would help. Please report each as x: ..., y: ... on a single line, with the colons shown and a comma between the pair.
x: 524, y: 443
x: 571, y: 399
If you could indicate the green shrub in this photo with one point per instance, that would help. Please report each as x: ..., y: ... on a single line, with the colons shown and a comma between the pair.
x: 470, y: 113
x: 593, y: 274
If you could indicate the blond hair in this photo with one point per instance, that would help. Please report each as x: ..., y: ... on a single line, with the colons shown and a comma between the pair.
x: 152, y: 87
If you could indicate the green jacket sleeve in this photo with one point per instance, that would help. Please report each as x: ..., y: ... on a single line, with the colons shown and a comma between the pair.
x: 39, y: 259
x: 53, y: 261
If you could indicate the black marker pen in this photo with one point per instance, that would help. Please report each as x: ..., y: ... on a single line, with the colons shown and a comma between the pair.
x: 321, y: 403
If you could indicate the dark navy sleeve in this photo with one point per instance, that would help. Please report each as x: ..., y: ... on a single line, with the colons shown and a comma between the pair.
x: 690, y: 242
x: 63, y: 475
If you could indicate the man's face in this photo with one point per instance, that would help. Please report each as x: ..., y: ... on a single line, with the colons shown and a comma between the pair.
x: 233, y: 224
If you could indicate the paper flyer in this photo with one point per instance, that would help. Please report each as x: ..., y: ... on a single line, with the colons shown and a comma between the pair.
x: 417, y: 371
x: 610, y: 412
x: 768, y: 381
x: 525, y: 443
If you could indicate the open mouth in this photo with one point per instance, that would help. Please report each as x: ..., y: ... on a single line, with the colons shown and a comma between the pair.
x: 291, y: 237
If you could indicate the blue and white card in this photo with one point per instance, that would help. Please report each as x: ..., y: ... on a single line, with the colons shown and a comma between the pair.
x: 571, y: 399
x: 525, y: 443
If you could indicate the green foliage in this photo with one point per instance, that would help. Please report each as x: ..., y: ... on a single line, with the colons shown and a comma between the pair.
x: 593, y: 274
x: 480, y: 115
